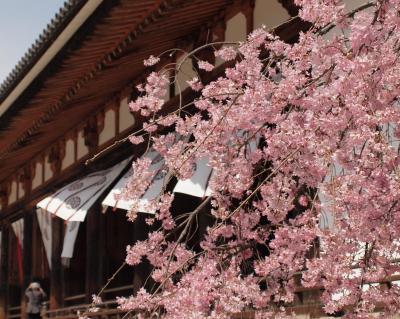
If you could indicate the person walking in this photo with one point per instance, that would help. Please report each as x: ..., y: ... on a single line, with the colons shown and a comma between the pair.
x: 36, y: 296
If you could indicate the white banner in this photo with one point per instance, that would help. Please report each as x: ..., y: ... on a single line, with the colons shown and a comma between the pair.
x: 251, y: 144
x: 152, y: 192
x: 74, y: 200
x: 44, y: 221
x: 18, y: 228
x: 71, y: 232
x: 197, y: 184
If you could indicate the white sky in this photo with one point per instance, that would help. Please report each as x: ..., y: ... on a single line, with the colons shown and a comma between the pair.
x: 21, y: 22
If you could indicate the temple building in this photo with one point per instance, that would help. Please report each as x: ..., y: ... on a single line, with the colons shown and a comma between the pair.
x: 64, y: 122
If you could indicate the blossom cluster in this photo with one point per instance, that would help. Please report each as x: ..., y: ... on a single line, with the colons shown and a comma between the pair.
x: 323, y: 115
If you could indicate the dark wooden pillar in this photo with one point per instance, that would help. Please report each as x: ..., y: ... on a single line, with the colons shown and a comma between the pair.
x: 56, y: 278
x: 94, y: 252
x: 141, y: 271
x: 91, y: 133
x: 4, y: 271
x: 26, y: 259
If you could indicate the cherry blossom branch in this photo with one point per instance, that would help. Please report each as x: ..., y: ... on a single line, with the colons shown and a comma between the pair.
x: 324, y: 30
x: 287, y: 158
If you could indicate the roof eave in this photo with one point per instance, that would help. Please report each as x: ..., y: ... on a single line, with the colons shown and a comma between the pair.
x: 52, y: 40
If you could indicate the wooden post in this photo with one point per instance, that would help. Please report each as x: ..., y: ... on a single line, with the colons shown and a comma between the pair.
x: 56, y: 278
x: 141, y: 271
x: 26, y: 259
x: 93, y: 252
x: 4, y: 271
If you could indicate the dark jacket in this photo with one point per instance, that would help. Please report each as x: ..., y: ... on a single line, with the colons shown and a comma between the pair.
x: 35, y: 299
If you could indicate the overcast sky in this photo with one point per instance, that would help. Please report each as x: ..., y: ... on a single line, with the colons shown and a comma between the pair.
x: 21, y: 22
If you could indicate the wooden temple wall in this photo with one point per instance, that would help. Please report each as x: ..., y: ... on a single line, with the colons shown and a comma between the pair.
x: 114, y: 119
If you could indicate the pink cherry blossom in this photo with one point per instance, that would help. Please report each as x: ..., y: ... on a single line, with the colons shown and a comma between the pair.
x: 204, y: 65
x: 303, y: 144
x: 226, y: 53
x: 195, y: 84
x: 152, y: 60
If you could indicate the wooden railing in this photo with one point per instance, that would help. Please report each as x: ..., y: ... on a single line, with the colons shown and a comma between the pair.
x: 107, y: 310
x: 14, y: 312
x: 75, y: 300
